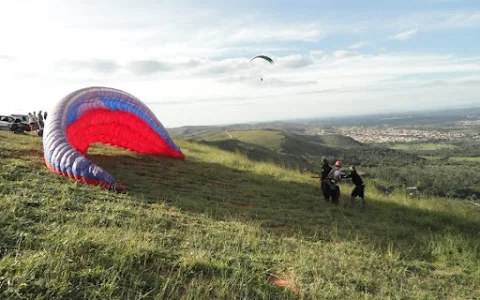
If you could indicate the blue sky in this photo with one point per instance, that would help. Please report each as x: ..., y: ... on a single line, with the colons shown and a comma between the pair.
x: 189, y: 60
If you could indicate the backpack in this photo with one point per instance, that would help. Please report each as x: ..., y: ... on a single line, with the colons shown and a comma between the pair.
x: 330, y: 176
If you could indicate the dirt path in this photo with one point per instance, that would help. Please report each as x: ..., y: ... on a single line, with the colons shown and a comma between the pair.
x: 229, y: 134
x: 282, y: 281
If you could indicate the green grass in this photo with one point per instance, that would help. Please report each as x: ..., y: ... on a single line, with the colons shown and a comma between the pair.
x: 282, y: 148
x: 274, y: 139
x: 465, y: 159
x: 270, y: 139
x: 458, y: 159
x: 432, y: 157
x: 424, y: 147
x: 184, y: 231
x: 216, y: 135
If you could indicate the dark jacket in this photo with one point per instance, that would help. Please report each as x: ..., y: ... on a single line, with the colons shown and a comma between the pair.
x: 357, y: 180
x: 325, y: 171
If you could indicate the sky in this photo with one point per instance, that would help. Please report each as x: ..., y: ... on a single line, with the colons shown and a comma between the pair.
x: 189, y: 61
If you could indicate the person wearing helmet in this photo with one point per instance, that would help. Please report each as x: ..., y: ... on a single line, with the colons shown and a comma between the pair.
x: 335, y: 176
x: 359, y: 190
x: 324, y: 179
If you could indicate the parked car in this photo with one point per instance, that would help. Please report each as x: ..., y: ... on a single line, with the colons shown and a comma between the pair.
x: 19, y: 127
x: 5, y: 122
x: 23, y: 118
x: 15, y: 123
x: 21, y: 122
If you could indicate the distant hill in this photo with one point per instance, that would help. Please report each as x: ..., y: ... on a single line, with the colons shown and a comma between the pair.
x: 297, y: 150
x: 301, y: 126
x: 191, y: 131
x: 415, y: 118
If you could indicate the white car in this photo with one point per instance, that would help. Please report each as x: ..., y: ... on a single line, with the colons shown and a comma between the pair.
x: 23, y: 118
x: 5, y: 122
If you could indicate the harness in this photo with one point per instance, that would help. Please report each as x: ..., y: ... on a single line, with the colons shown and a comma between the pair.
x: 330, y: 177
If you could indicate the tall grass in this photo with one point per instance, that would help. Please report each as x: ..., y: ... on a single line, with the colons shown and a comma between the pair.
x: 216, y: 226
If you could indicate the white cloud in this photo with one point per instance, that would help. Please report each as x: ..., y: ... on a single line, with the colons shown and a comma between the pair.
x: 190, y: 62
x: 341, y: 54
x: 437, y: 21
x: 403, y: 36
x: 295, y: 61
x: 226, y: 66
x: 359, y: 45
x: 277, y: 32
x: 190, y: 94
x: 105, y: 66
x: 147, y: 67
x: 317, y: 54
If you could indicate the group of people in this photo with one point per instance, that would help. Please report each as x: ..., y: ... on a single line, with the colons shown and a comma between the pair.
x: 37, y: 120
x: 330, y: 179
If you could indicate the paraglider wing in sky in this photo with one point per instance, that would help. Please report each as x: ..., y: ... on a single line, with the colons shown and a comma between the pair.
x: 104, y: 115
x: 264, y: 57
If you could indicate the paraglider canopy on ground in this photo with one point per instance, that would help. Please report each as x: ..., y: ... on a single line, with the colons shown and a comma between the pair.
x: 105, y: 115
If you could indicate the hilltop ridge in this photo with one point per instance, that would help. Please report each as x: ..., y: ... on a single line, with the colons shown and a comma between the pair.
x: 298, y: 150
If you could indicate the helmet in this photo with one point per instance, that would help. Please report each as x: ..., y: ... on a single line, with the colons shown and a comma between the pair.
x: 338, y: 163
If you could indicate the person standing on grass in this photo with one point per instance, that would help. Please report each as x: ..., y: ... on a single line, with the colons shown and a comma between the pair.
x: 335, y: 176
x: 324, y: 180
x: 359, y: 190
x: 40, y: 120
x: 34, y: 116
x: 31, y: 121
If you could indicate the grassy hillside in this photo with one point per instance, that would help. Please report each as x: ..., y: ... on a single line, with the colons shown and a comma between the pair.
x: 465, y: 159
x: 270, y: 139
x: 424, y: 146
x: 302, y: 151
x: 425, y: 165
x: 214, y: 227
x: 192, y: 131
x: 449, y: 170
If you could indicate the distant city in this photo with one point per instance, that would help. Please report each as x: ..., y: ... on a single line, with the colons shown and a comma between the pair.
x: 390, y: 135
